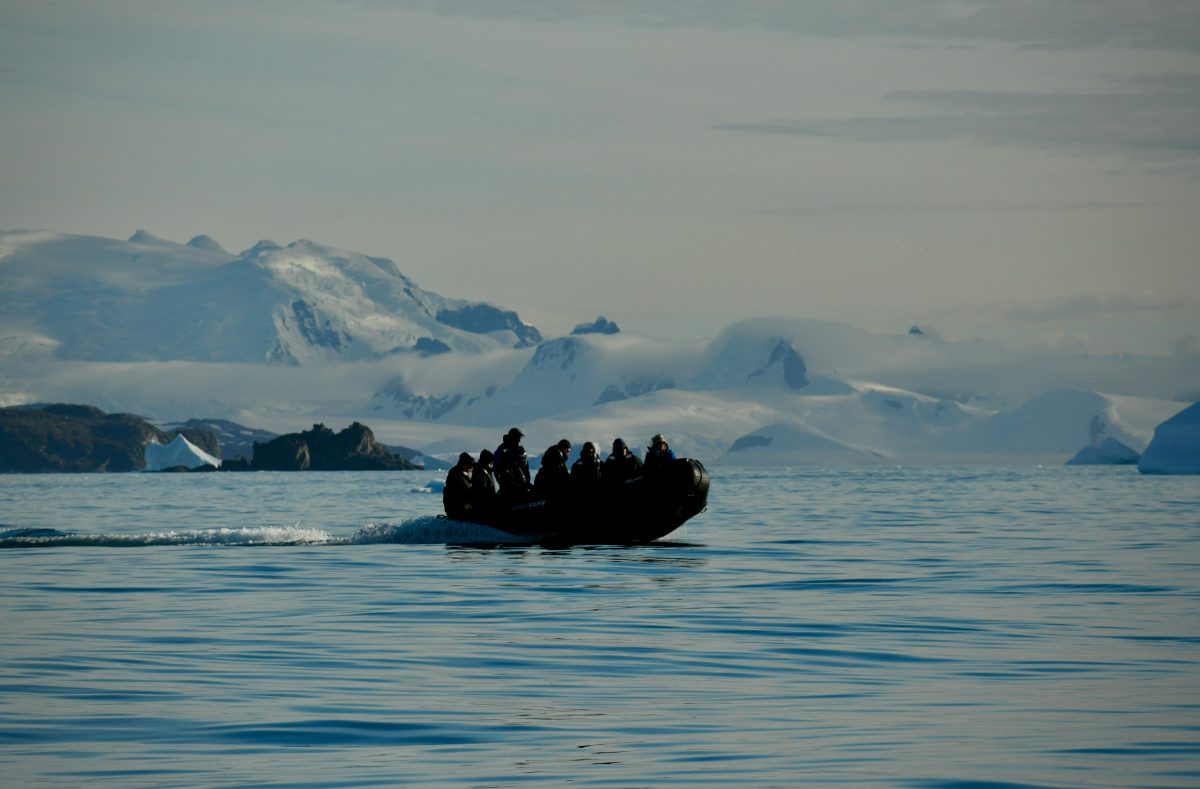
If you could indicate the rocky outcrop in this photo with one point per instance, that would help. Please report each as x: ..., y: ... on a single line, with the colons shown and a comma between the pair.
x: 601, y: 325
x: 204, y: 440
x: 73, y: 438
x: 485, y: 319
x: 785, y: 357
x: 286, y: 453
x: 320, y: 449
x: 555, y: 354
x: 220, y: 437
x: 67, y: 438
x: 397, y: 394
x: 634, y: 387
x: 428, y: 346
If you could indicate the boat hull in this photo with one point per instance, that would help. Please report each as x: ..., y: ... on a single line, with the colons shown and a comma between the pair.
x: 642, y: 509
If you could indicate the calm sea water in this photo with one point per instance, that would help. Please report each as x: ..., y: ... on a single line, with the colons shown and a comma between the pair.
x: 1033, y: 627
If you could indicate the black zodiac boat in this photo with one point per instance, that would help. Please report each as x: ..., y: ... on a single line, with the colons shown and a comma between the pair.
x: 642, y: 509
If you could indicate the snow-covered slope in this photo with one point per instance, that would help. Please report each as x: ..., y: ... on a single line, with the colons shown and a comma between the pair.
x: 560, y: 375
x: 97, y: 299
x: 574, y: 372
x: 972, y: 372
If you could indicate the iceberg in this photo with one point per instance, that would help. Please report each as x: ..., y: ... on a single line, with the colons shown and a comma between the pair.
x: 1109, y: 452
x: 1175, y: 448
x: 179, y: 452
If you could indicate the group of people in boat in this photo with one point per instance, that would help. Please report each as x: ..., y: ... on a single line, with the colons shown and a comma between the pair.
x: 475, y: 488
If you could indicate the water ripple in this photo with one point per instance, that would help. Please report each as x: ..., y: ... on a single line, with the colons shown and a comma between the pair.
x: 979, y: 628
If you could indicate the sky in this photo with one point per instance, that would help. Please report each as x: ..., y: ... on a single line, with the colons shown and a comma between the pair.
x: 1021, y: 169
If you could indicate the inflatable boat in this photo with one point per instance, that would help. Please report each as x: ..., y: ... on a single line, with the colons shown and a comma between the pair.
x: 642, y: 509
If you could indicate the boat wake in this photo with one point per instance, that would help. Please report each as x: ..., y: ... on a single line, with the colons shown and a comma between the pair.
x: 250, y: 535
x: 434, y: 531
x: 415, y: 531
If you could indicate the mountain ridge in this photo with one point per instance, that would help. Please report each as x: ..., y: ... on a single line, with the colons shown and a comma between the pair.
x: 278, y: 336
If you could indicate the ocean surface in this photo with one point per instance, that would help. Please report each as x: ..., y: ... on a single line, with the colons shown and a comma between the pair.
x: 973, y: 627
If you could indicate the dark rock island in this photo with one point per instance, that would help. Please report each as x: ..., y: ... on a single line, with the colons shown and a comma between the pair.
x: 65, y: 438
x: 73, y: 438
x: 320, y: 449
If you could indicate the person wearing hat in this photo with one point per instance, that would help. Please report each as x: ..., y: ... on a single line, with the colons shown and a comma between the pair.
x: 456, y: 495
x: 512, y: 467
x: 483, y: 485
x: 511, y: 440
x: 585, y: 473
x: 553, y: 478
x: 621, y: 464
x: 658, y: 454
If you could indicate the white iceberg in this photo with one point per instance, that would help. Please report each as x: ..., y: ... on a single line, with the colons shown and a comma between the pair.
x: 1175, y: 448
x: 179, y: 452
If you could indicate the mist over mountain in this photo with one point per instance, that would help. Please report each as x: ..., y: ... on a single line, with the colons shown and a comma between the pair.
x: 282, y: 336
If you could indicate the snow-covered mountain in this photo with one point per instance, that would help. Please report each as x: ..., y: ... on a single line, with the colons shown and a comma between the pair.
x: 98, y: 299
x: 560, y: 375
x: 281, y: 337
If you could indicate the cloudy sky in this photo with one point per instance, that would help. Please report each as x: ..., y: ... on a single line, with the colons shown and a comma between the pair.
x: 1022, y: 168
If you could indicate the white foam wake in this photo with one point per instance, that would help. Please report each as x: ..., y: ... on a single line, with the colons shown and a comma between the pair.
x: 247, y: 535
x: 428, y: 530
x: 434, y: 531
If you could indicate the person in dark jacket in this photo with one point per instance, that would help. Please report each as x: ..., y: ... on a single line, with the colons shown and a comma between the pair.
x: 483, y: 485
x: 513, y: 475
x: 621, y: 464
x: 553, y: 479
x: 585, y: 473
x: 511, y: 440
x: 456, y: 496
x: 658, y: 454
x: 509, y: 452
